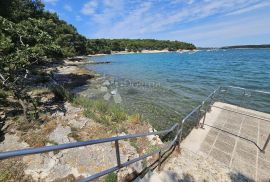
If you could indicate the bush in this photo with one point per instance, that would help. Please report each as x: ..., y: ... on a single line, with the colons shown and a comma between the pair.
x: 117, y: 114
x: 111, y: 177
x: 61, y: 93
x: 3, y: 94
x: 4, y: 176
x: 101, y: 111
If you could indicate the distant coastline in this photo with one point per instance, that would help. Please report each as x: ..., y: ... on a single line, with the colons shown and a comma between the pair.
x: 144, y: 51
x: 247, y: 46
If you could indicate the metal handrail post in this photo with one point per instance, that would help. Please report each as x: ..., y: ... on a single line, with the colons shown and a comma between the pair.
x: 198, y: 116
x: 117, y: 151
x: 204, y: 117
x: 211, y: 97
x: 179, y: 136
x: 266, y: 143
x: 159, y: 160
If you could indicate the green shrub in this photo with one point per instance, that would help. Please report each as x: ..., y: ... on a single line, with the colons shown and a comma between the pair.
x: 4, y: 176
x: 117, y: 114
x: 152, y: 148
x: 61, y: 93
x: 3, y: 94
x: 101, y: 111
x: 111, y: 177
x: 101, y: 106
x: 133, y: 143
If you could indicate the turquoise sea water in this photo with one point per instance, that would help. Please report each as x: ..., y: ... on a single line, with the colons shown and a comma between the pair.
x: 166, y: 86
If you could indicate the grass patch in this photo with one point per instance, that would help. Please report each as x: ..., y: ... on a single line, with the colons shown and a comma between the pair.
x: 13, y: 170
x: 75, y: 134
x: 37, y: 138
x: 144, y: 163
x: 152, y: 148
x: 134, y: 143
x: 101, y: 111
x: 111, y: 177
x: 4, y: 176
x: 135, y: 119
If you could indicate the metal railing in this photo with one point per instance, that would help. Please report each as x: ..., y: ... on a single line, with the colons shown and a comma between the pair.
x: 198, y: 112
x: 244, y: 93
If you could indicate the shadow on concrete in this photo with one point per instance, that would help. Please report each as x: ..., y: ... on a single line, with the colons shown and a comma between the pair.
x: 187, y: 178
x: 230, y: 133
x: 239, y: 177
x: 155, y: 163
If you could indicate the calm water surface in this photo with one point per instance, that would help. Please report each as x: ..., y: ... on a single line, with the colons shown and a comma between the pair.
x: 166, y: 86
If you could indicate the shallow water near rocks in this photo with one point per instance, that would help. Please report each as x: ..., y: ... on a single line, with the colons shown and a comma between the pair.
x: 166, y: 86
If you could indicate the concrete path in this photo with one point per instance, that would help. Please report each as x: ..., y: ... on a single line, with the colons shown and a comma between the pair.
x: 231, y: 139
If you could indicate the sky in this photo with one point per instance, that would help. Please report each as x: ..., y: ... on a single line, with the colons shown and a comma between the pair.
x: 205, y: 23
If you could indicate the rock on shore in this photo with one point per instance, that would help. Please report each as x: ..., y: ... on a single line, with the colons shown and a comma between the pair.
x: 69, y: 124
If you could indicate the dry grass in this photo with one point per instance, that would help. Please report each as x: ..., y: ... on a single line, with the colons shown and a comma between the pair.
x: 69, y: 178
x: 13, y: 170
x: 91, y: 132
x: 135, y: 119
x: 38, y: 138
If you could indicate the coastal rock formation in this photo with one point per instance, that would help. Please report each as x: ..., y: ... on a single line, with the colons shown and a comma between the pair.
x: 67, y: 123
x: 12, y: 142
x: 79, y: 162
x: 60, y: 134
x: 72, y: 163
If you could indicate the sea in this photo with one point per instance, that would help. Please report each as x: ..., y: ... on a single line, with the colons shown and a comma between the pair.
x: 165, y: 87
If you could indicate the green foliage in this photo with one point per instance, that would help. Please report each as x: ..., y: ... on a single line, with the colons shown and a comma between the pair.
x: 61, y: 93
x: 133, y: 143
x: 101, y: 111
x: 18, y: 10
x: 30, y: 36
x: 117, y: 113
x: 3, y: 94
x: 4, y: 176
x: 111, y: 177
x: 152, y: 148
x: 105, y: 46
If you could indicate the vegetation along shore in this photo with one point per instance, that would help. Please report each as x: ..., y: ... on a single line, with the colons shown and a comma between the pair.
x: 35, y: 40
x: 39, y: 105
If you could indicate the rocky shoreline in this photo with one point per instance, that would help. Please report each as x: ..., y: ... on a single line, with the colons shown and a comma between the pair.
x: 68, y: 123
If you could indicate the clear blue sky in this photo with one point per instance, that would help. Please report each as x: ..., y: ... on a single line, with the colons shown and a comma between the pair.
x: 202, y: 22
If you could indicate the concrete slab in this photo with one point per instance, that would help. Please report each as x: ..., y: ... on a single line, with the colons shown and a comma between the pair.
x: 195, y: 138
x: 231, y: 139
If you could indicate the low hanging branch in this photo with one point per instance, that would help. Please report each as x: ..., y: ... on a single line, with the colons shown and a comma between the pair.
x: 11, y: 28
x: 3, y: 79
x: 21, y: 39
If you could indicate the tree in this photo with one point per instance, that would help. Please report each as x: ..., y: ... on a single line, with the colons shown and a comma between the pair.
x: 29, y: 37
